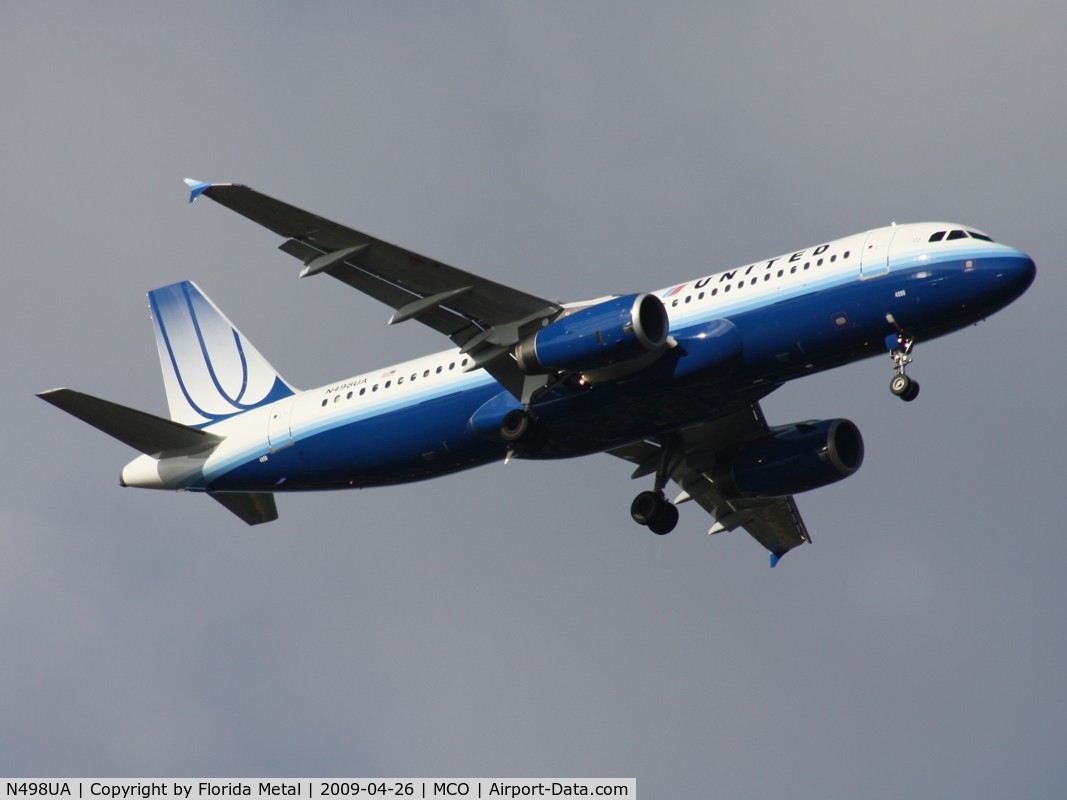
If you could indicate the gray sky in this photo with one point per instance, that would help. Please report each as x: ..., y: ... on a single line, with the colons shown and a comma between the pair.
x: 512, y: 621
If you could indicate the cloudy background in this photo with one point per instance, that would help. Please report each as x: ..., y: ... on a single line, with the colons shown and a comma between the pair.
x: 512, y: 621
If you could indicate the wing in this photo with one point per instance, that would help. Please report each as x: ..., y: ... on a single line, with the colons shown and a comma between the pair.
x: 774, y: 523
x: 483, y: 318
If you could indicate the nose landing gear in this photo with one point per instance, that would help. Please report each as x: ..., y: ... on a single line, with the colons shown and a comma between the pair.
x: 899, y: 345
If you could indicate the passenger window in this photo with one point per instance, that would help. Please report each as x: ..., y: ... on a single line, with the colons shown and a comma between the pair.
x: 349, y: 397
x: 688, y: 298
x: 937, y: 237
x: 833, y: 258
x: 847, y: 253
x: 374, y: 388
x: 426, y: 373
x: 324, y: 402
x: 363, y: 391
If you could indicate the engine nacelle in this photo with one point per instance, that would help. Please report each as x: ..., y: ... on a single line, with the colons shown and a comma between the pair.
x: 591, y: 338
x: 795, y: 458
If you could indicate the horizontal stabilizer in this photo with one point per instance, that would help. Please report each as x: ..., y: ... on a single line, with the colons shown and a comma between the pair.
x: 254, y: 509
x: 146, y: 433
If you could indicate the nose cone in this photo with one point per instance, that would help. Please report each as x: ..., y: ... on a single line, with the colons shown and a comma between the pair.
x: 1016, y: 273
x: 1021, y: 273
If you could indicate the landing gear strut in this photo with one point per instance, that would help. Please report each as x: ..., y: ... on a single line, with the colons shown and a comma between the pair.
x: 653, y: 509
x: 899, y: 345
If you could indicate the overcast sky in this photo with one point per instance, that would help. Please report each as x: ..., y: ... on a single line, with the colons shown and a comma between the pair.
x: 512, y: 621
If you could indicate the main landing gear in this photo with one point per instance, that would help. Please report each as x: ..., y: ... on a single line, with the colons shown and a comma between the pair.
x: 656, y: 511
x: 653, y: 509
x: 899, y: 345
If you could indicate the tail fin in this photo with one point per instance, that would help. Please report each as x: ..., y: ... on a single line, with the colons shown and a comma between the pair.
x: 210, y: 370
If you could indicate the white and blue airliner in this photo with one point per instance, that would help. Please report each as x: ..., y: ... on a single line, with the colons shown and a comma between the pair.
x: 669, y: 380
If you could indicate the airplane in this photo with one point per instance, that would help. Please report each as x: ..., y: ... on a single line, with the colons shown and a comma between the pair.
x: 669, y: 380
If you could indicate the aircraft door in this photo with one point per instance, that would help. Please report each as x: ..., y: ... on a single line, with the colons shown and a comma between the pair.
x: 874, y: 260
x: 279, y: 432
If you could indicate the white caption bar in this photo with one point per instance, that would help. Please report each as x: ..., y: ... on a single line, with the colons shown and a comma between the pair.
x: 315, y: 788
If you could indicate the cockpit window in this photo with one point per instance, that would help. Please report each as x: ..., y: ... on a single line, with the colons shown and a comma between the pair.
x: 958, y: 234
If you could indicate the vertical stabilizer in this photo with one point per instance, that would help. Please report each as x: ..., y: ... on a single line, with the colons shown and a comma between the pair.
x: 210, y: 370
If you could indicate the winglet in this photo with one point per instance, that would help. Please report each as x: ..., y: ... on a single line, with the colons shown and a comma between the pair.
x: 775, y: 558
x: 196, y: 188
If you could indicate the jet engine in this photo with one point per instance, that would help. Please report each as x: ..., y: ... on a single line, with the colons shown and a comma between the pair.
x: 793, y: 458
x: 629, y: 328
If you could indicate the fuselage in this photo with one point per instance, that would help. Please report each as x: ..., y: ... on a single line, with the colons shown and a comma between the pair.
x: 795, y: 314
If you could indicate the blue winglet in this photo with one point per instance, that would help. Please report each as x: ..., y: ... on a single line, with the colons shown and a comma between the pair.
x: 196, y: 188
x: 775, y: 558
